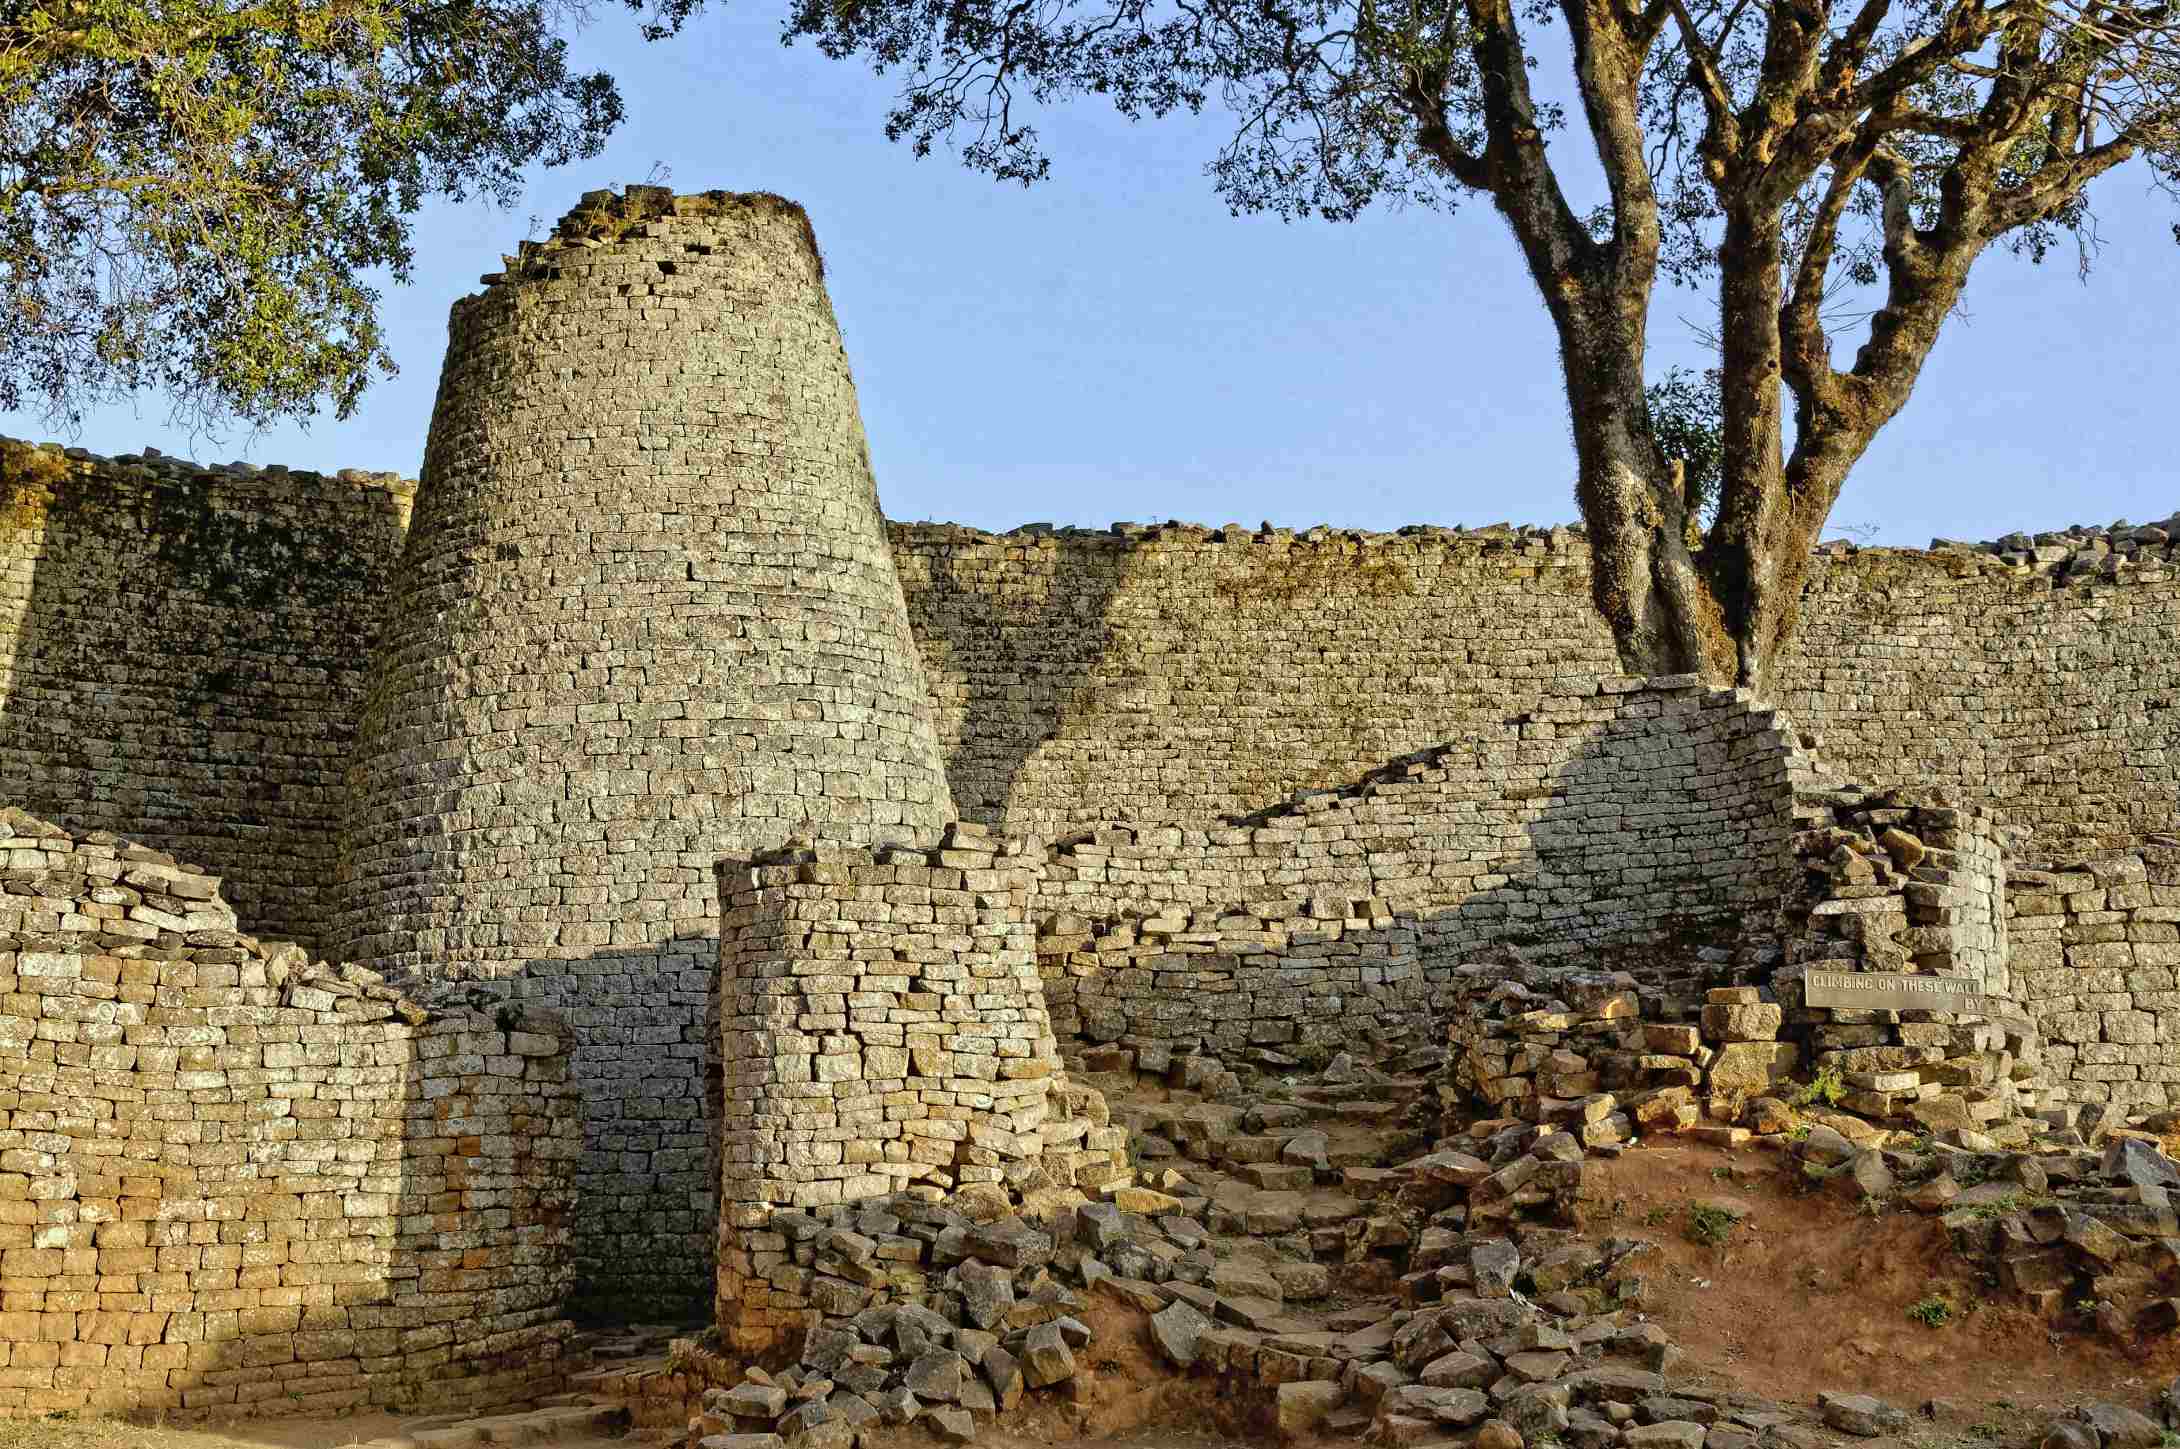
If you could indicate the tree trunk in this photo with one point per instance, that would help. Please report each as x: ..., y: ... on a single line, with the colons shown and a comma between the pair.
x: 1643, y: 578
x: 1750, y: 560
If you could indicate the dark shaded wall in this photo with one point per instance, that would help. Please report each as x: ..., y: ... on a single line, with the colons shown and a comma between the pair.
x: 181, y: 659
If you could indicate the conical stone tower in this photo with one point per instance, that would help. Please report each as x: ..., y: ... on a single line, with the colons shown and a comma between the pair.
x: 647, y: 617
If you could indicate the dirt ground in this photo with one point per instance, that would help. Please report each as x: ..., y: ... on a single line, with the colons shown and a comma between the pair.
x: 314, y: 1433
x: 1806, y: 1294
x: 1809, y: 1294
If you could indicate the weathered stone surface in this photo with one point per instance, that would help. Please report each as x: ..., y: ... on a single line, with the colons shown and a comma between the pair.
x: 1861, y: 1415
x: 1177, y: 1330
x: 1667, y: 1434
x: 1303, y: 1407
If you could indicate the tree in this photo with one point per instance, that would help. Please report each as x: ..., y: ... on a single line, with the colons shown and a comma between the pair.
x: 193, y: 193
x: 1783, y: 153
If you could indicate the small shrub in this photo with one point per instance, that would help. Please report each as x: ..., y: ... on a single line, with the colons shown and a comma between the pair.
x: 1935, y: 1311
x: 1709, y: 1226
x: 1828, y: 1086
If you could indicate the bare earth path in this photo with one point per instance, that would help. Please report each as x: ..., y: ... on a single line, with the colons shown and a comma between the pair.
x: 315, y: 1433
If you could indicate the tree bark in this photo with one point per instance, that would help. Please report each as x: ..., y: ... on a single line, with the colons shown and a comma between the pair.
x: 1643, y: 578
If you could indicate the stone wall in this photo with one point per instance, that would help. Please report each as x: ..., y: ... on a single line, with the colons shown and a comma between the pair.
x: 1898, y: 885
x: 884, y: 1030
x: 646, y: 618
x: 2038, y: 680
x: 1171, y: 675
x: 181, y: 658
x: 1633, y: 816
x: 232, y: 1178
x: 2096, y: 948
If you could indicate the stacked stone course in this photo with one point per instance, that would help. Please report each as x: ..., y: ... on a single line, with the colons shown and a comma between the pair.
x: 648, y: 619
x: 2095, y: 951
x: 230, y: 1176
x: 1631, y: 816
x: 1166, y: 675
x: 182, y: 653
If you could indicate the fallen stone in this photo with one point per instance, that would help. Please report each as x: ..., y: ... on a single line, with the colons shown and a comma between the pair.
x: 2119, y: 1427
x: 1003, y: 1371
x: 1046, y: 1358
x: 953, y: 1426
x: 1498, y: 1434
x: 1457, y: 1407
x: 1459, y: 1370
x: 1860, y: 1415
x: 1177, y: 1330
x: 1495, y: 1263
x: 1670, y: 1434
x: 1303, y: 1407
x: 755, y: 1401
x: 935, y: 1377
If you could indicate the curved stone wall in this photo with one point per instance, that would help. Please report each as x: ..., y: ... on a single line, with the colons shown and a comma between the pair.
x: 1649, y: 822
x: 182, y: 656
x: 237, y: 1178
x: 647, y: 617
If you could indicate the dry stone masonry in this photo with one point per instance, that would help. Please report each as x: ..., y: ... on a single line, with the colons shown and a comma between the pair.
x: 2095, y: 947
x: 628, y: 779
x: 647, y: 617
x: 182, y: 654
x: 1171, y: 674
x: 232, y: 1177
x: 885, y: 1030
x: 1624, y: 816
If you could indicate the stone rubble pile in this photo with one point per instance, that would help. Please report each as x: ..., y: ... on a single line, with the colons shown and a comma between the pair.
x: 2070, y: 1228
x: 1570, y: 1048
x: 926, y: 1312
x: 1896, y: 887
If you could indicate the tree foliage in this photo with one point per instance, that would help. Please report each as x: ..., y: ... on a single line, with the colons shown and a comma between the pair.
x: 1793, y: 157
x: 195, y: 194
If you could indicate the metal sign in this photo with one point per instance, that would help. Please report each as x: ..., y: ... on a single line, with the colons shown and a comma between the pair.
x: 1886, y: 991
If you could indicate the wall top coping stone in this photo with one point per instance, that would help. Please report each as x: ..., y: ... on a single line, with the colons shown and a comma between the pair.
x: 157, y: 469
x: 2112, y: 550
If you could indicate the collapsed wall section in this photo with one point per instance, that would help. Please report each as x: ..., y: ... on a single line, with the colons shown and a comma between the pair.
x: 646, y: 618
x: 1637, y: 820
x: 885, y: 1031
x: 230, y: 1177
x: 181, y: 658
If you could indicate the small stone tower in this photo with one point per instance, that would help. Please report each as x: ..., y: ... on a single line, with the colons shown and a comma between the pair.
x: 647, y: 617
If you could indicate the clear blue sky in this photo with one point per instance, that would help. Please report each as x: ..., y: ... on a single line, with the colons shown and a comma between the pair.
x: 1112, y: 345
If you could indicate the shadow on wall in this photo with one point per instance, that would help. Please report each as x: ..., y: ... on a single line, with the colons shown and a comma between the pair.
x: 179, y: 663
x: 648, y: 1070
x: 447, y: 1291
x: 1657, y: 840
x: 1009, y: 644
